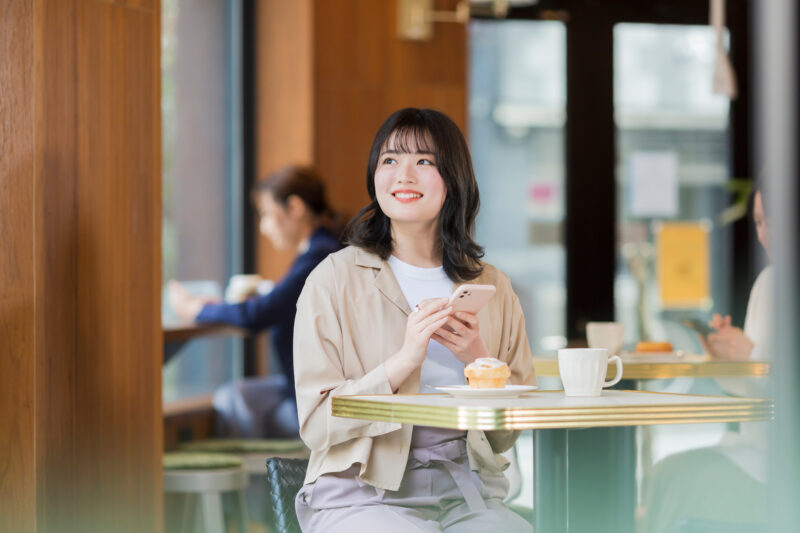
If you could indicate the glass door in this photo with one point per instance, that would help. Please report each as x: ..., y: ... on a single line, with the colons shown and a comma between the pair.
x: 517, y: 111
x: 672, y: 173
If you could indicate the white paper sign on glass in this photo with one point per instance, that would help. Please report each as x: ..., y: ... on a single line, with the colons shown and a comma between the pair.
x: 653, y: 184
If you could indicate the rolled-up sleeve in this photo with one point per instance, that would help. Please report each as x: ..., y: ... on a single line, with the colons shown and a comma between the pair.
x: 319, y: 370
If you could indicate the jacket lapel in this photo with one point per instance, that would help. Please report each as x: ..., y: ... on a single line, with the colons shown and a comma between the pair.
x: 387, y: 284
x: 385, y: 281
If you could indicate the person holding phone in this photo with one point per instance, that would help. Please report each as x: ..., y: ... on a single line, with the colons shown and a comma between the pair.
x: 753, y: 342
x: 375, y: 318
x: 725, y: 482
x: 293, y: 215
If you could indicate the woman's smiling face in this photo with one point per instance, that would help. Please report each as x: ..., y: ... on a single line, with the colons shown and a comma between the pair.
x: 408, y: 186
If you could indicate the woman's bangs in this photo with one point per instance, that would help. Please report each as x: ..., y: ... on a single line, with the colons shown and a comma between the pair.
x: 409, y: 140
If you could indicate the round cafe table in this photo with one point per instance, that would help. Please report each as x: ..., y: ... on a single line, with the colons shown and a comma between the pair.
x: 581, y: 484
x: 176, y: 334
x: 617, y: 445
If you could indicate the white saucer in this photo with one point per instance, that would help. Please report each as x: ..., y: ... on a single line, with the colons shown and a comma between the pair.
x: 465, y: 391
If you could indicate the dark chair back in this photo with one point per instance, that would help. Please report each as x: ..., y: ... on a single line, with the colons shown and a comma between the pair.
x: 285, y: 477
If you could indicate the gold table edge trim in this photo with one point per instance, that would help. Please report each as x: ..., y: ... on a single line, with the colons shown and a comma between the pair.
x: 548, y: 368
x: 489, y: 418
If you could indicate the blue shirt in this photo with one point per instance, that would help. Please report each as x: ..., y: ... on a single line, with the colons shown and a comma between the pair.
x: 276, y: 310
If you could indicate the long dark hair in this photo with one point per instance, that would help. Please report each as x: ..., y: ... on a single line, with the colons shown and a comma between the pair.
x: 425, y: 130
x: 306, y: 184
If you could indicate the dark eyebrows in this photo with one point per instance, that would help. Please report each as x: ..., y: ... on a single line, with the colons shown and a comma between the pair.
x: 393, y: 151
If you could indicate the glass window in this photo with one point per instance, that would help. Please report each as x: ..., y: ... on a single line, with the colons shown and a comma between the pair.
x: 672, y: 176
x: 197, y: 181
x: 517, y: 110
x: 672, y: 167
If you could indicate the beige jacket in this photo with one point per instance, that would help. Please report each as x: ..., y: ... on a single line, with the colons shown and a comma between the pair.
x: 351, y: 317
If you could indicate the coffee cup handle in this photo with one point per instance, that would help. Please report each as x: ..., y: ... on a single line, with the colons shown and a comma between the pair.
x: 618, y: 377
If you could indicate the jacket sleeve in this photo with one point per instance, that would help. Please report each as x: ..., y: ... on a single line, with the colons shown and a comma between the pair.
x: 516, y: 352
x: 319, y: 371
x: 256, y: 314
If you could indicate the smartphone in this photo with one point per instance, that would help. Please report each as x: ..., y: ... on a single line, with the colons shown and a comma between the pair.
x: 698, y: 325
x: 471, y: 298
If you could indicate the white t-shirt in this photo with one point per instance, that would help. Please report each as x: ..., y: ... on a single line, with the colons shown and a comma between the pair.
x: 748, y: 447
x: 440, y: 367
x: 757, y: 328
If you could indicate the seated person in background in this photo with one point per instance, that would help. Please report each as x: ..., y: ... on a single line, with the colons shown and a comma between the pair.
x: 293, y: 215
x: 752, y: 343
x: 724, y: 484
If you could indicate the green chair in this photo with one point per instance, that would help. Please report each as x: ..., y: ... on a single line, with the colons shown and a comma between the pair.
x: 206, y: 477
x: 285, y: 478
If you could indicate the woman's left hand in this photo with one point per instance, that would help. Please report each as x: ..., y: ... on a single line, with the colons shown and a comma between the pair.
x: 461, y: 335
x: 730, y: 343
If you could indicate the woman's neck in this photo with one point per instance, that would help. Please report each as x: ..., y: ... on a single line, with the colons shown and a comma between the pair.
x: 304, y: 238
x: 417, y: 245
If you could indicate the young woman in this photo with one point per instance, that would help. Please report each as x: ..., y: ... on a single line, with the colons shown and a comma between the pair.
x: 752, y: 342
x: 373, y: 319
x: 293, y: 214
x: 727, y: 482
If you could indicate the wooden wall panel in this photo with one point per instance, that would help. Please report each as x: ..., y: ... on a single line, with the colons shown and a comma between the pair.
x: 119, y: 264
x: 80, y: 222
x: 328, y: 74
x: 17, y: 460
x: 285, y: 101
x: 363, y: 73
x: 57, y: 249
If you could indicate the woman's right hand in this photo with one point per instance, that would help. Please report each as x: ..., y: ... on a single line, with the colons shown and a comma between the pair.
x: 424, y: 320
x: 720, y: 322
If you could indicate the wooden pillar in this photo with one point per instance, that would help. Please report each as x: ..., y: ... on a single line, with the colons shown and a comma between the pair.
x: 284, y: 101
x: 363, y: 73
x: 80, y: 272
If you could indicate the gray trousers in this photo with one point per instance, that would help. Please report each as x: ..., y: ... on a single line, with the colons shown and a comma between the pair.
x: 438, y: 493
x: 256, y: 408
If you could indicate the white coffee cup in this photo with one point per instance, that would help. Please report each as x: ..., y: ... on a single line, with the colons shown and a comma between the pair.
x: 242, y: 286
x: 608, y: 335
x: 583, y: 370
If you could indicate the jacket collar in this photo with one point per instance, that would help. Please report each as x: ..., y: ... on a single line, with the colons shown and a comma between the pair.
x: 385, y: 281
x: 368, y: 259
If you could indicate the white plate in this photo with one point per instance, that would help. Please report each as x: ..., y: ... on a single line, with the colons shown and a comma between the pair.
x: 465, y: 391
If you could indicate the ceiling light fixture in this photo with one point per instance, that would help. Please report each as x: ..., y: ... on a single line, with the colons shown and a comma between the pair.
x: 415, y: 18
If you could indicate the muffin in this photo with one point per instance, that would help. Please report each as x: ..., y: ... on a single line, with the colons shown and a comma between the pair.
x: 487, y: 373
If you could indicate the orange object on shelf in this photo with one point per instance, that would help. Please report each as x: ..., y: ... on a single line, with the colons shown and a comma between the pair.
x: 649, y: 346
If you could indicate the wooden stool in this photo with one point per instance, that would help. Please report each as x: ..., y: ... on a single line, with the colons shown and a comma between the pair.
x: 207, y: 476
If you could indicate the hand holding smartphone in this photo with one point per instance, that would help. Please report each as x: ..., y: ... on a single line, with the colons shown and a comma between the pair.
x: 471, y: 298
x: 698, y: 326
